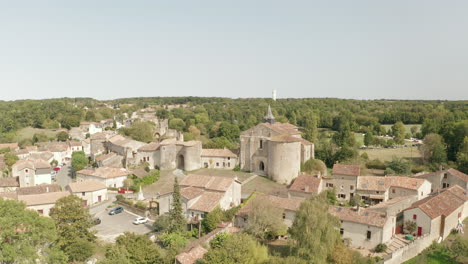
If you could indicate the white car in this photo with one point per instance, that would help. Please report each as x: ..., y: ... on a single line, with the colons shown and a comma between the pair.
x: 140, y: 220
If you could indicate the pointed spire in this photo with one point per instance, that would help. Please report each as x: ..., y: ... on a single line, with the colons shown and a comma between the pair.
x: 269, y: 118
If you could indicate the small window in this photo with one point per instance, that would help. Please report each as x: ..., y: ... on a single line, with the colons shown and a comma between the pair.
x: 229, y: 158
x: 415, y: 217
x: 261, y: 144
x: 206, y: 164
x: 445, y: 185
x: 445, y: 175
x: 284, y: 215
x: 422, y: 193
x: 393, y: 190
x: 224, y: 164
x: 40, y: 211
x: 329, y: 185
x: 341, y: 231
x: 351, y: 187
x: 369, y: 234
x: 342, y: 196
x: 192, y: 214
x: 342, y: 187
x: 26, y: 170
x: 217, y: 164
x: 229, y: 164
x: 377, y: 192
x: 83, y: 193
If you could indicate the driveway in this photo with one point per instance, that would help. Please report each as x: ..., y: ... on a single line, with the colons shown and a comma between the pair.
x: 112, y: 226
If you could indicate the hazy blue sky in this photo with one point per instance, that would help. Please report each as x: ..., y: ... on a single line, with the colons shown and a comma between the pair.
x: 348, y: 49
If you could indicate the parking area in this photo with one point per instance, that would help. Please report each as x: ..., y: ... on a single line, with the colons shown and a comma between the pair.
x: 112, y: 226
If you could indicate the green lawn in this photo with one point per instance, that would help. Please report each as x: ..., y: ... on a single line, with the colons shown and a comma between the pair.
x: 407, y: 127
x: 28, y: 133
x: 386, y: 154
x: 262, y: 185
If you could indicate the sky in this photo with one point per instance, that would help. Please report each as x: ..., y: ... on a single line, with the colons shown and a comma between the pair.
x: 360, y: 49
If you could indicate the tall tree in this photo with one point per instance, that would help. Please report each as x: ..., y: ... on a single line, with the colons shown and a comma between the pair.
x: 433, y: 150
x: 131, y: 248
x: 314, y: 231
x: 265, y: 220
x: 398, y: 132
x: 79, y: 160
x: 73, y: 222
x: 462, y: 156
x: 26, y: 236
x: 368, y: 139
x: 176, y: 216
x: 236, y: 249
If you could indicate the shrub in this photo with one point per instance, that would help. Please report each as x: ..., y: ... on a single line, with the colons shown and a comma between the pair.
x: 140, y: 205
x: 375, y: 164
x: 380, y: 248
x: 119, y: 197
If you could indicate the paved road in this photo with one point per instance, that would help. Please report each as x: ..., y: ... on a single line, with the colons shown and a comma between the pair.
x: 64, y: 176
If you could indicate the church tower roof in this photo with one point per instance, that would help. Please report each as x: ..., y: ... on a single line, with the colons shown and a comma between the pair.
x: 269, y: 118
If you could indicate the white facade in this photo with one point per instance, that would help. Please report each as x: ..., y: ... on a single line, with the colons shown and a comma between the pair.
x: 115, y: 182
x: 91, y: 198
x: 368, y: 236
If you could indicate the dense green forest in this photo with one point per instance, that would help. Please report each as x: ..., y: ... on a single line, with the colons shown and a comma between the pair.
x: 217, y: 122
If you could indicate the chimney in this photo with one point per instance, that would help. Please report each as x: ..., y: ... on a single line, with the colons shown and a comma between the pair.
x: 307, y: 188
x: 319, y: 174
x: 47, y: 189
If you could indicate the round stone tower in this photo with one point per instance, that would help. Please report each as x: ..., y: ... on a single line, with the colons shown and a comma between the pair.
x: 284, y: 159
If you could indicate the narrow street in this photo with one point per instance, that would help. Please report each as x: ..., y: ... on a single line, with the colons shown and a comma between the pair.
x: 64, y: 176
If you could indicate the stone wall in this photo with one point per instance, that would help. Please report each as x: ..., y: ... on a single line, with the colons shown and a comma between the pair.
x: 409, y: 251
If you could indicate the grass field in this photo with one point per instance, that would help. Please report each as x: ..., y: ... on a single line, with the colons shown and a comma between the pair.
x: 28, y: 133
x: 386, y: 154
x: 407, y: 127
x: 262, y: 185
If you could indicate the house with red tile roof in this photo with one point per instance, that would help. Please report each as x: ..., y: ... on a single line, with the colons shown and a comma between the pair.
x: 438, y: 213
x: 201, y: 194
x: 366, y: 228
x: 306, y: 185
x: 32, y: 172
x: 344, y: 180
x: 218, y: 159
x: 91, y: 191
x: 445, y: 179
x: 110, y: 177
x: 376, y: 189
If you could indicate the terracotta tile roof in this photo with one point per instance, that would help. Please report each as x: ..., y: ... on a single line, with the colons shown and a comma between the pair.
x: 378, y: 183
x: 102, y: 135
x: 218, y: 153
x: 207, y: 182
x: 9, y: 195
x: 443, y: 203
x: 12, y: 146
x: 9, y: 182
x: 75, y: 143
x: 283, y: 128
x: 42, y: 155
x: 153, y: 146
x: 458, y: 174
x: 86, y: 186
x: 392, y: 202
x: 105, y: 156
x: 207, y: 202
x: 31, y: 164
x: 405, y: 182
x: 290, y: 204
x: 22, y: 152
x: 105, y: 172
x: 364, y: 216
x: 191, y: 192
x: 31, y: 148
x: 306, y: 183
x: 349, y: 170
x: 190, y: 143
x: 191, y: 256
x: 140, y: 172
x: 285, y: 138
x: 43, y: 198
x: 38, y: 189
x: 53, y: 146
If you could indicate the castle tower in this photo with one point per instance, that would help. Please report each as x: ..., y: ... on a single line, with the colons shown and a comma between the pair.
x: 269, y: 118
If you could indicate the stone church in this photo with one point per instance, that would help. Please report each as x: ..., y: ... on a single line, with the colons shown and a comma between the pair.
x: 274, y: 149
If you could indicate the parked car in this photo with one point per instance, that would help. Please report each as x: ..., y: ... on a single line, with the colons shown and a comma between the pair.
x: 116, y: 210
x: 140, y: 220
x: 96, y: 220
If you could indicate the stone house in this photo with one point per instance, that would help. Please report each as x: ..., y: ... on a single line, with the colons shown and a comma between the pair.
x: 91, y: 191
x: 289, y: 207
x: 60, y: 150
x: 366, y: 228
x: 201, y: 194
x: 375, y: 189
x: 75, y: 146
x: 438, y: 213
x: 343, y: 180
x: 111, y: 160
x: 40, y: 198
x: 274, y: 149
x: 77, y: 133
x: 98, y: 141
x: 172, y: 154
x: 218, y: 159
x: 306, y: 185
x: 125, y: 147
x: 91, y: 127
x: 111, y: 177
x: 8, y: 184
x: 445, y: 179
x: 86, y: 143
x: 47, y: 156
x: 32, y: 172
